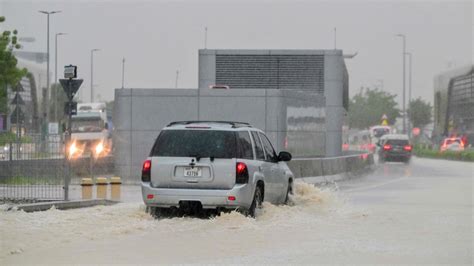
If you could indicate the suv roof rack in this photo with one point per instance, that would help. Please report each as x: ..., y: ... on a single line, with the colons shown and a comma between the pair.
x: 232, y: 123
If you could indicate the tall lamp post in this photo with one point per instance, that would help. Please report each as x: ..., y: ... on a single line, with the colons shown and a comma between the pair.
x: 54, y: 92
x: 47, y: 64
x: 123, y: 72
x: 92, y: 73
x: 404, y: 89
x: 409, y: 87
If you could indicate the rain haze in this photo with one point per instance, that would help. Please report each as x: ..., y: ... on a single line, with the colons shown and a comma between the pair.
x: 236, y: 132
x: 157, y: 38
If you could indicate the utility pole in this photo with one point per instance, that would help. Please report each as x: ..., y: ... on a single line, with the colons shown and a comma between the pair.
x: 47, y: 65
x: 404, y: 88
x: 92, y: 73
x: 205, y: 37
x: 335, y: 38
x: 176, y: 82
x: 54, y: 92
x: 123, y: 72
x: 409, y: 87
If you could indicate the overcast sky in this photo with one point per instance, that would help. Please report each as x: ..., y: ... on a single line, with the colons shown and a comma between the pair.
x: 159, y: 37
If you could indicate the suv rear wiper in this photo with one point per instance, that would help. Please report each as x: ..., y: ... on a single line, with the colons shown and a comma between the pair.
x: 198, y: 157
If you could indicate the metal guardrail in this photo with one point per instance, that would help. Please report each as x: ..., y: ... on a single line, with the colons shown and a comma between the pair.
x: 326, y: 166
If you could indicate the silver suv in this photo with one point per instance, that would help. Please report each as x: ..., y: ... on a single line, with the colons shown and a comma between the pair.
x: 197, y: 165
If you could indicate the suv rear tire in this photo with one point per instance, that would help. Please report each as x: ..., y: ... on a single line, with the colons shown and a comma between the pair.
x: 257, y: 202
x: 157, y: 212
x: 289, y: 191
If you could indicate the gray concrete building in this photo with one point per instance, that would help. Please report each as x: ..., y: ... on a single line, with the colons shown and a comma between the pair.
x: 320, y: 72
x: 454, y: 103
x: 298, y: 97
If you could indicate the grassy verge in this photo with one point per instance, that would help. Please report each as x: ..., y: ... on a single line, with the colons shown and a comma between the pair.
x: 467, y: 155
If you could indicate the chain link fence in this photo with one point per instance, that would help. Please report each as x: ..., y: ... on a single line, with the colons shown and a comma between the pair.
x: 33, y: 168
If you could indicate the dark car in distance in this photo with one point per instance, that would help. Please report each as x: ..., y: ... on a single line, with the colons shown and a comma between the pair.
x: 395, y: 147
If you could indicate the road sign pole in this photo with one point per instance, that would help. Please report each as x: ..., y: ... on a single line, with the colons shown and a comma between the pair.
x: 68, y: 140
x: 70, y: 86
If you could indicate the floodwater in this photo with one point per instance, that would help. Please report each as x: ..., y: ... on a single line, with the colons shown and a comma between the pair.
x: 417, y: 213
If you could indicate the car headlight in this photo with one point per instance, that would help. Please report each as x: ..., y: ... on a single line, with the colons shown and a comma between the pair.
x: 72, y: 149
x: 99, y: 148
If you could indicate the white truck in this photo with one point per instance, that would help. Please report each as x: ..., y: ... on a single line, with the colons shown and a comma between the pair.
x: 90, y: 131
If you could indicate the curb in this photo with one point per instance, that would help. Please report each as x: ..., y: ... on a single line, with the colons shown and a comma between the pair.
x: 62, y: 205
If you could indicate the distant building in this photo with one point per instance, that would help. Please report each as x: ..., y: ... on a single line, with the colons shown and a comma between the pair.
x: 34, y: 63
x: 298, y: 97
x: 454, y: 103
x: 319, y: 72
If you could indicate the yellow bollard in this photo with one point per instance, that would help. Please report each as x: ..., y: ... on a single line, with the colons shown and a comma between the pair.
x: 86, y: 184
x: 115, y: 184
x: 101, y: 183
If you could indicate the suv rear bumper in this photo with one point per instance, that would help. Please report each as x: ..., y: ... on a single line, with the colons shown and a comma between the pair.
x: 209, y: 198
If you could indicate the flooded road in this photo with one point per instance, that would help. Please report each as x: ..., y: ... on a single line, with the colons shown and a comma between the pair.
x: 417, y: 213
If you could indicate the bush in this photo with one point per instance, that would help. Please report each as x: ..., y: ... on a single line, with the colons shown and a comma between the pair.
x: 9, y: 137
x: 466, y: 155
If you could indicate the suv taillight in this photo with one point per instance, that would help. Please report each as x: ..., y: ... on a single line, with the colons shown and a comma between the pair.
x: 407, y: 148
x: 241, y: 173
x: 146, y: 171
x: 387, y: 147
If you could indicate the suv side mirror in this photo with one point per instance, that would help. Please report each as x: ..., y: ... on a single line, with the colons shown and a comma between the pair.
x: 284, y: 156
x: 106, y: 126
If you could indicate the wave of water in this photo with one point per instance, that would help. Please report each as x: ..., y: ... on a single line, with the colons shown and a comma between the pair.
x: 29, y: 230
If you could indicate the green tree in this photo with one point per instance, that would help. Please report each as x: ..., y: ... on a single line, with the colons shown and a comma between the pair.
x: 368, y: 106
x: 419, y: 113
x: 10, y: 74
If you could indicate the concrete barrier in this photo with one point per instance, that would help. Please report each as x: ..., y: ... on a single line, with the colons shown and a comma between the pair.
x: 331, y: 169
x: 62, y: 205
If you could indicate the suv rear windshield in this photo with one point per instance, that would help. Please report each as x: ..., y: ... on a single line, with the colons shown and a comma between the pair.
x: 193, y: 143
x: 397, y: 142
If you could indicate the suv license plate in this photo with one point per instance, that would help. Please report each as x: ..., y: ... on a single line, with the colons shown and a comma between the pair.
x: 193, y: 172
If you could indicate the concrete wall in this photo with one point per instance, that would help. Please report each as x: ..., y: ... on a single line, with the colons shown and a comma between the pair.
x: 333, y: 90
x: 335, y: 86
x: 294, y: 121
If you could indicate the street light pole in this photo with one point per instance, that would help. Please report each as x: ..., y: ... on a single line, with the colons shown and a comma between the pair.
x: 54, y: 92
x: 123, y: 72
x: 47, y: 64
x: 409, y: 86
x: 176, y: 81
x: 404, y: 89
x: 92, y: 73
x: 205, y: 37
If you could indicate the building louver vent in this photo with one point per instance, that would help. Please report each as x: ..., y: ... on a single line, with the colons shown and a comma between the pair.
x: 302, y: 72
